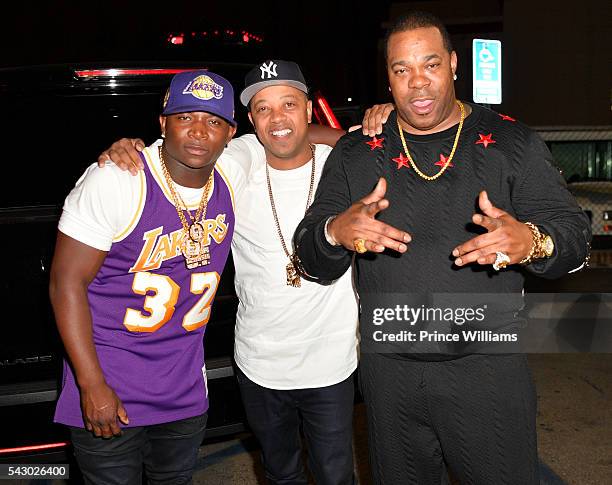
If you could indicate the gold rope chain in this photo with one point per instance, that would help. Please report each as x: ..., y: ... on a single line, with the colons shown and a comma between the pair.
x: 450, y: 157
x: 310, y: 190
x: 178, y: 201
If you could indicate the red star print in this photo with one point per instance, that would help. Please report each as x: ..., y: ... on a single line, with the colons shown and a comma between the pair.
x: 506, y: 117
x: 485, y: 139
x: 442, y: 161
x: 401, y: 161
x: 375, y: 143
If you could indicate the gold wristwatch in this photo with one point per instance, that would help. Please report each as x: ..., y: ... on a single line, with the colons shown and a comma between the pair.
x: 542, y: 245
x: 548, y: 246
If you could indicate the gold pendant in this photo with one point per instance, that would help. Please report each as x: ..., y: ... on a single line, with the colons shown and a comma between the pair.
x: 293, y: 277
x: 196, y: 231
x: 195, y: 253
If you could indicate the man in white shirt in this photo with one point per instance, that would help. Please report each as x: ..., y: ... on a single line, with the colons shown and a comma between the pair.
x: 296, y: 341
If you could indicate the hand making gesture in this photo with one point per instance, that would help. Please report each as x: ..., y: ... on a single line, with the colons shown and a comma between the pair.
x: 507, y: 241
x: 357, y: 228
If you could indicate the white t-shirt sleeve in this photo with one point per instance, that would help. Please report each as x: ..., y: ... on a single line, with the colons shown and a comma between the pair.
x: 103, y: 206
x: 238, y: 160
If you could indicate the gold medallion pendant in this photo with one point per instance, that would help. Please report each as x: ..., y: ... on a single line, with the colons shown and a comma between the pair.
x: 196, y: 253
x: 293, y: 277
x: 292, y: 269
x: 196, y: 231
x: 195, y: 250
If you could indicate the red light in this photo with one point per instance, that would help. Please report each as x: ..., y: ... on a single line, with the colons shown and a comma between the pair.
x: 245, y: 38
x: 327, y: 111
x: 35, y: 447
x: 128, y: 72
x: 177, y: 40
x: 216, y: 32
x: 607, y: 228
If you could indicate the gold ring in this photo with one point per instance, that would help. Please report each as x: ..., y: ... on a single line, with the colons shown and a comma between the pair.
x: 359, y: 245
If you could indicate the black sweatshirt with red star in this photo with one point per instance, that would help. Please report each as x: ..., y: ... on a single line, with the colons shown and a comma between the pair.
x: 495, y: 153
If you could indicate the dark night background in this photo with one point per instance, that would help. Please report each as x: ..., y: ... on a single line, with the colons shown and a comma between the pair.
x: 324, y: 37
x: 557, y: 66
x: 557, y: 70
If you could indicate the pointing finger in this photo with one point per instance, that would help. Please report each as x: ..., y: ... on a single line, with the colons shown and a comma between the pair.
x: 487, y: 207
x: 489, y: 223
x: 377, y: 194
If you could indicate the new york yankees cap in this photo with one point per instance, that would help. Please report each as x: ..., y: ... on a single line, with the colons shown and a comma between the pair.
x: 200, y: 91
x: 272, y: 73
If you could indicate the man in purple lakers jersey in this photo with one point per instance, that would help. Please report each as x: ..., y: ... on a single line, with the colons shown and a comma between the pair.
x: 135, y: 271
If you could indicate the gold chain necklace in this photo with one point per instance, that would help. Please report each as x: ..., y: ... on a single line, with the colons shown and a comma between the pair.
x: 195, y: 250
x: 293, y: 276
x: 452, y: 153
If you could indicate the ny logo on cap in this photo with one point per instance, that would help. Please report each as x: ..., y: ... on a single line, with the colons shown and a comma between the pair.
x: 270, y: 70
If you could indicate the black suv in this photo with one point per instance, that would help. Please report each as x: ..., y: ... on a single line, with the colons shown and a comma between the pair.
x: 56, y: 119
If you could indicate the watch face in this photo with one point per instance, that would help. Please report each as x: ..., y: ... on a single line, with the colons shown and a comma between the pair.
x: 549, y: 246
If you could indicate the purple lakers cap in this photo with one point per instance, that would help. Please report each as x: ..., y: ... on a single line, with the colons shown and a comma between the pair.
x: 200, y: 91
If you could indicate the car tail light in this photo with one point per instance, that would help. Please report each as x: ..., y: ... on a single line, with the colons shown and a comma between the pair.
x: 128, y: 72
x: 323, y: 112
x: 22, y: 449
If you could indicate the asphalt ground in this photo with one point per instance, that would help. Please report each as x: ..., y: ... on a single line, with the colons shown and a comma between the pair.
x: 574, y: 406
x: 574, y: 429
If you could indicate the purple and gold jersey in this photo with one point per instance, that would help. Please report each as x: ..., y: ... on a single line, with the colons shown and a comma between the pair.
x: 149, y: 312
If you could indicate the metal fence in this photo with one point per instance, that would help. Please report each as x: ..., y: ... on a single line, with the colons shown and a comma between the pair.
x: 584, y: 157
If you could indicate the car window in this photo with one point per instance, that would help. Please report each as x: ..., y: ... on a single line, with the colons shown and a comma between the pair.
x: 50, y: 139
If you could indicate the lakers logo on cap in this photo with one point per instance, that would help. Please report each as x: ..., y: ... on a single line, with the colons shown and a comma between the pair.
x: 203, y: 87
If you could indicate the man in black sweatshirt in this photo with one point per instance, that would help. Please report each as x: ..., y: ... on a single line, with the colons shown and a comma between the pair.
x: 464, y: 201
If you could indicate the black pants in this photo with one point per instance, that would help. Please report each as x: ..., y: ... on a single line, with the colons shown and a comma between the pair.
x: 474, y: 414
x: 326, y: 417
x: 168, y: 452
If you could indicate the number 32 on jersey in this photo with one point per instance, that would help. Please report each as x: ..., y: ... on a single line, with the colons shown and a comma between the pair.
x: 160, y: 305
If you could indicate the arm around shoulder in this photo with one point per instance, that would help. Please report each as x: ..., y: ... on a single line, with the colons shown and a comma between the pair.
x: 239, y: 159
x: 324, y: 134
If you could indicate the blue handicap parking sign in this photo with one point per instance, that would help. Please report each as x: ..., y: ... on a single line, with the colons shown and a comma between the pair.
x: 487, y: 65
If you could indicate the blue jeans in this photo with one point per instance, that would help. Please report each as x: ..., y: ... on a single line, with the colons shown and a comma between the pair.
x: 325, y: 415
x: 167, y: 451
